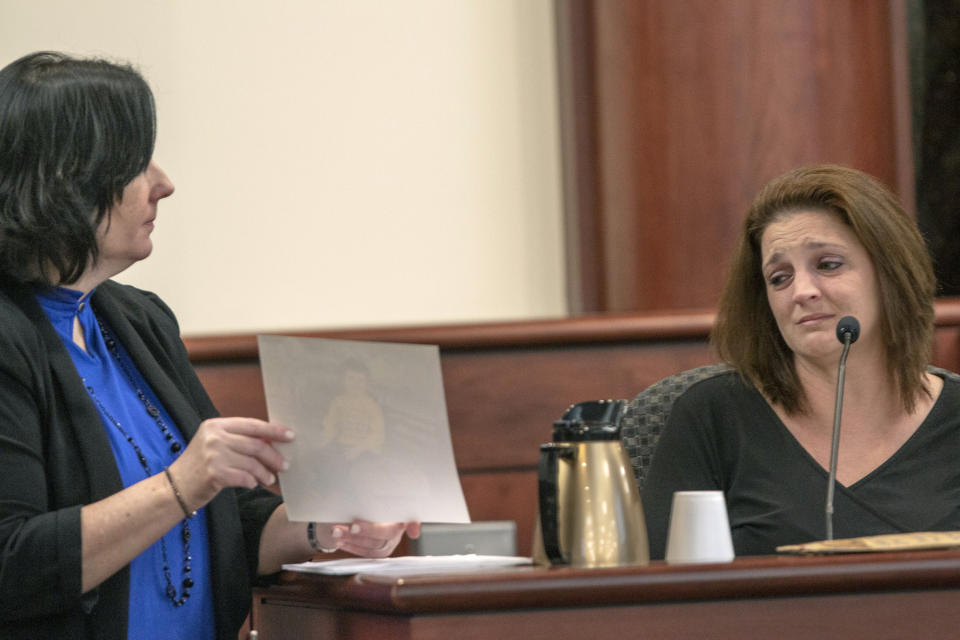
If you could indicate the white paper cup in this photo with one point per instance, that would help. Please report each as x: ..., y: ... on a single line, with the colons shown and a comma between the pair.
x: 699, y: 530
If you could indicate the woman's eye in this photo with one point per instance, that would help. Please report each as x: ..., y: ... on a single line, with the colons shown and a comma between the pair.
x: 829, y: 264
x: 778, y: 279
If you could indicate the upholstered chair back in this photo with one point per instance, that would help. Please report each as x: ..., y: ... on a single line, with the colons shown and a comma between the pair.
x: 646, y: 416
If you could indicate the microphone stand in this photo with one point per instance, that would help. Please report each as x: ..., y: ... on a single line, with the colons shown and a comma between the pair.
x: 835, y: 444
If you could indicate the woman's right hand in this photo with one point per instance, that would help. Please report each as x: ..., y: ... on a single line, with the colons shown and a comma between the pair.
x: 229, y: 452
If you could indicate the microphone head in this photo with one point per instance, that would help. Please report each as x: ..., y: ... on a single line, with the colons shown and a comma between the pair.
x: 848, y: 324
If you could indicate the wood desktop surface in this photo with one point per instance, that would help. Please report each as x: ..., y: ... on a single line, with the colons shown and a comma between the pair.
x: 896, y: 595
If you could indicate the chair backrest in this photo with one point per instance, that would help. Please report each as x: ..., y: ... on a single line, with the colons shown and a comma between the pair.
x: 646, y: 416
x: 944, y: 373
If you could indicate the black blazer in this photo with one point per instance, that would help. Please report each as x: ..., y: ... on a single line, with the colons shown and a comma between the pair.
x: 55, y: 457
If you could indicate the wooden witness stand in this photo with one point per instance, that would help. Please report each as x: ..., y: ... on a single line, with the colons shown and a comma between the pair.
x: 897, y: 595
x: 505, y: 384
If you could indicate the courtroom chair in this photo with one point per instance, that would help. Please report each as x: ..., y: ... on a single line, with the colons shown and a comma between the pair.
x: 646, y: 416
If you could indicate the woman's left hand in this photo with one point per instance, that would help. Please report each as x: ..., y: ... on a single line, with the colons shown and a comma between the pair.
x: 367, y: 539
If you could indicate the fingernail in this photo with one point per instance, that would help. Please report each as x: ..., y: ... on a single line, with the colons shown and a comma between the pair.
x: 355, y: 528
x: 290, y: 434
x: 271, y: 479
x: 337, y: 532
x: 286, y: 465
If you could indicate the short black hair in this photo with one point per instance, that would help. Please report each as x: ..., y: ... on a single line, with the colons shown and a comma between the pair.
x: 73, y: 133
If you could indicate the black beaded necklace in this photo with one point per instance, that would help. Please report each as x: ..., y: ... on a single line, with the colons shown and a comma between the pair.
x: 153, y: 412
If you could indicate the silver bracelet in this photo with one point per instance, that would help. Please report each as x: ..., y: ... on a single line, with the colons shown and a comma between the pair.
x: 312, y: 537
x: 176, y: 493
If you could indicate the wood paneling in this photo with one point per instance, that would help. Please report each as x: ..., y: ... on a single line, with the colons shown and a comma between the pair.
x: 502, y: 404
x: 683, y: 109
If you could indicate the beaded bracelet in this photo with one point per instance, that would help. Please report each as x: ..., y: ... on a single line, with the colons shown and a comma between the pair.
x: 312, y: 537
x: 176, y: 493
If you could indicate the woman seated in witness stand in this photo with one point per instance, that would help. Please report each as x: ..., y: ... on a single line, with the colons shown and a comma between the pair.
x: 128, y: 508
x: 819, y: 243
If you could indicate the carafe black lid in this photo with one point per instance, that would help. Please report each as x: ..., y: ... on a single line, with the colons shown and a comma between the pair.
x: 592, y: 420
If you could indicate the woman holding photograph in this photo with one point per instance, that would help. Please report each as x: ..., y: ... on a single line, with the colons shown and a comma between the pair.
x: 128, y: 507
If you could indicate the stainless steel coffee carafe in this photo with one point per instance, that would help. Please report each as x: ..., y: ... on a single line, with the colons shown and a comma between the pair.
x: 590, y: 513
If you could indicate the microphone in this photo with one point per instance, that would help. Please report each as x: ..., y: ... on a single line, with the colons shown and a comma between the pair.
x: 848, y: 326
x: 848, y: 330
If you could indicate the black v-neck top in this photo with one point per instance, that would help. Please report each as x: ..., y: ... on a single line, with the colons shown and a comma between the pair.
x: 722, y: 434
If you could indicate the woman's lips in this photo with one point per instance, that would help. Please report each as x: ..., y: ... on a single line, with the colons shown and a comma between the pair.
x: 814, y: 318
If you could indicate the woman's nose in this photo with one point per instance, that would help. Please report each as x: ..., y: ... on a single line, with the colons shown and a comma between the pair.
x: 161, y: 185
x: 805, y: 286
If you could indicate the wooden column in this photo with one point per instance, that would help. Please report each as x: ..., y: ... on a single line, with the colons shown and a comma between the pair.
x: 674, y: 113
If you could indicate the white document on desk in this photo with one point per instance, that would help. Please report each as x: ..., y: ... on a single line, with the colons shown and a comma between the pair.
x: 410, y: 565
x: 373, y: 440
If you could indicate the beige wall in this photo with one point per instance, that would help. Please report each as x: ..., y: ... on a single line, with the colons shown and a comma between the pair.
x: 340, y: 162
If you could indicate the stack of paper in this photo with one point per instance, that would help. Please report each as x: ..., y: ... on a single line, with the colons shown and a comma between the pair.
x: 409, y: 565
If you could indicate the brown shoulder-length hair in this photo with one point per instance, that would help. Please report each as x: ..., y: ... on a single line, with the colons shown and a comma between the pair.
x: 745, y: 333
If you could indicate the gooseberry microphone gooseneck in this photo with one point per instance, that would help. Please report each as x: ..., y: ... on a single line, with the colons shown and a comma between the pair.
x: 848, y: 330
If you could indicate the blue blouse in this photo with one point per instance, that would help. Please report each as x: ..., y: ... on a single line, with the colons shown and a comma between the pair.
x: 152, y: 615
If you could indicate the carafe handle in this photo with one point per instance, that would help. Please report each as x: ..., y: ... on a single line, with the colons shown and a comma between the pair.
x: 549, y: 490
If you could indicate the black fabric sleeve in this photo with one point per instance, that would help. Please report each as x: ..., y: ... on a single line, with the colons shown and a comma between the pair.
x: 256, y: 507
x: 40, y: 565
